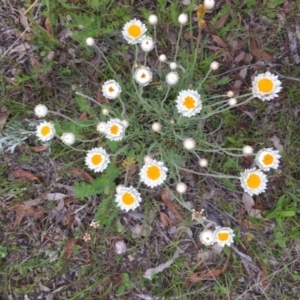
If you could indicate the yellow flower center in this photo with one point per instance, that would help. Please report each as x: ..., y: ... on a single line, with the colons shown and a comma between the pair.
x: 265, y: 85
x: 45, y: 130
x: 268, y: 159
x: 223, y: 236
x: 253, y: 181
x: 96, y: 159
x: 153, y: 172
x: 114, y: 129
x: 134, y: 30
x: 143, y: 75
x: 189, y: 102
x: 111, y: 89
x: 127, y: 198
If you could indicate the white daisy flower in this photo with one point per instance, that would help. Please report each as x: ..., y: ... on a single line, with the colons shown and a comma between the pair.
x: 111, y: 89
x: 97, y: 159
x: 115, y: 130
x: 266, y: 86
x: 253, y: 181
x: 41, y: 110
x: 223, y: 236
x: 188, y: 103
x: 267, y: 159
x: 153, y: 173
x: 68, y: 138
x: 147, y: 44
x: 128, y: 198
x: 133, y: 31
x: 45, y: 131
x: 142, y: 75
x: 207, y: 237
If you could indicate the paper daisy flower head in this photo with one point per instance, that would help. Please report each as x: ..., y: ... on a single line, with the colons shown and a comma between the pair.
x: 115, y: 130
x: 223, y: 236
x: 253, y: 181
x: 97, y: 159
x: 207, y: 237
x: 45, y: 131
x: 266, y: 86
x: 68, y: 138
x: 147, y: 44
x: 111, y: 89
x: 267, y: 159
x: 142, y: 75
x: 188, y: 103
x: 133, y: 31
x: 128, y: 198
x: 153, y: 173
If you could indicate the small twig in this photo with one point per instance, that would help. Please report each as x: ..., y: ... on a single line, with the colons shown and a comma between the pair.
x: 30, y: 7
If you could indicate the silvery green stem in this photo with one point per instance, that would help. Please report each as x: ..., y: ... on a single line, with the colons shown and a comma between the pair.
x: 61, y: 115
x: 177, y: 44
x: 212, y: 175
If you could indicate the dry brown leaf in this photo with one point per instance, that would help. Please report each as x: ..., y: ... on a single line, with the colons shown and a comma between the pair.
x: 83, y: 116
x: 132, y: 170
x: 48, y: 27
x: 24, y: 210
x: 39, y: 148
x: 260, y: 54
x: 240, y: 57
x: 221, y: 21
x: 218, y: 41
x: 69, y: 248
x: 82, y: 174
x: 4, y: 113
x: 165, y: 196
x: 20, y: 173
x: 165, y: 219
x: 202, y: 275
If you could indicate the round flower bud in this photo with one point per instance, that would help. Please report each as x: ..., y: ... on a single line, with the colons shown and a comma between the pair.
x: 90, y: 41
x: 156, y: 126
x: 162, y: 58
x: 105, y: 111
x: 120, y: 247
x: 153, y: 19
x: 203, y: 162
x: 101, y: 126
x: 181, y: 187
x: 209, y: 4
x: 247, y: 149
x: 119, y: 188
x: 173, y: 65
x: 172, y: 121
x: 214, y: 65
x: 125, y: 123
x: 172, y: 78
x: 68, y: 138
x: 230, y: 94
x: 189, y: 144
x: 147, y: 44
x: 147, y: 158
x: 232, y: 102
x: 41, y: 110
x: 182, y: 19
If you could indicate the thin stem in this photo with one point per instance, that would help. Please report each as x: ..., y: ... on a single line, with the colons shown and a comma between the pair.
x: 155, y: 46
x: 166, y: 96
x: 61, y: 115
x: 178, y: 40
x: 200, y: 85
x: 208, y: 174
